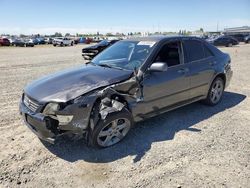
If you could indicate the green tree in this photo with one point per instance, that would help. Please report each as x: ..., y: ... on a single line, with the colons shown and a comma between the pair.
x: 57, y: 34
x: 109, y: 34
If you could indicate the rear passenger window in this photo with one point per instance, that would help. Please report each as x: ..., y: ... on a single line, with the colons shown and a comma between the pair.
x: 194, y: 50
x: 207, y: 52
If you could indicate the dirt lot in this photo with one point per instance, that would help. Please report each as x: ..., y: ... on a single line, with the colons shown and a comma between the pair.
x: 195, y: 146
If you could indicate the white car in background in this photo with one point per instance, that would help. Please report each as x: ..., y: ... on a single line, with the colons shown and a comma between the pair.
x: 63, y: 41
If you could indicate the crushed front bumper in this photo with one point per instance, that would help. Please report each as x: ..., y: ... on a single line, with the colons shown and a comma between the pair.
x: 38, y: 123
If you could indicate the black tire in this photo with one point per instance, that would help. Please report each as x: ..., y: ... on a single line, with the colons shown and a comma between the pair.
x: 210, y: 97
x: 230, y: 45
x: 95, y: 137
x: 72, y: 43
x: 54, y: 45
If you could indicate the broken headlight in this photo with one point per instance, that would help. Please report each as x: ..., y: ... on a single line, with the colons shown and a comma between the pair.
x: 51, y: 108
x: 64, y: 119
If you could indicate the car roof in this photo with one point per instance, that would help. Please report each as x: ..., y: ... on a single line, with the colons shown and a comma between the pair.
x: 161, y: 37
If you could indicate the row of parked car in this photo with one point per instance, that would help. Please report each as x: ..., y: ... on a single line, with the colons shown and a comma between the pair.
x: 228, y: 40
x: 57, y: 41
x: 23, y: 42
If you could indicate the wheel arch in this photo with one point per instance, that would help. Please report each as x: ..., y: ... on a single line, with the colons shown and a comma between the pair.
x: 96, y: 104
x: 222, y: 76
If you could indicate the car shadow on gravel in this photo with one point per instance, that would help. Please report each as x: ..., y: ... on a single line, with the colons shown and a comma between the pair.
x: 139, y: 141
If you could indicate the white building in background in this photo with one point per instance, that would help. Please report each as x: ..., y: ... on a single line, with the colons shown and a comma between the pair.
x: 237, y: 30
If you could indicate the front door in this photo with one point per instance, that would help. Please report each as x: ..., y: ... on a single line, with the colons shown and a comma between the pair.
x: 164, y: 89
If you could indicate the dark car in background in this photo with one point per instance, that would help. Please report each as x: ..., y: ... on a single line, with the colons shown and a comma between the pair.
x: 130, y: 81
x: 4, y: 42
x: 227, y: 41
x: 247, y: 39
x: 41, y: 40
x: 239, y: 37
x: 17, y: 42
x: 91, y: 51
x: 35, y: 41
x: 38, y: 40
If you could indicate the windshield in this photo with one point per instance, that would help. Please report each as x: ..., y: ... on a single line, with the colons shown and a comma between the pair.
x: 125, y: 54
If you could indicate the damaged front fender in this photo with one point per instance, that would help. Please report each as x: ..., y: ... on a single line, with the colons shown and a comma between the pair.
x: 85, y: 111
x: 81, y: 110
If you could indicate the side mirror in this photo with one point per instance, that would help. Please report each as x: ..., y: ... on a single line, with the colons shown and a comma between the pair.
x: 158, y: 67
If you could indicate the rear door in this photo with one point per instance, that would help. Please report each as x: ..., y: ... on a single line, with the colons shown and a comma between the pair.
x: 200, y: 61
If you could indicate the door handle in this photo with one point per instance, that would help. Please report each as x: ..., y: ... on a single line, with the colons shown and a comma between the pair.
x: 212, y: 63
x: 183, y: 70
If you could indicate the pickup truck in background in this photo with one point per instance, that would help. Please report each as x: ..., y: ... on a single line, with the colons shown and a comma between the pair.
x: 62, y: 41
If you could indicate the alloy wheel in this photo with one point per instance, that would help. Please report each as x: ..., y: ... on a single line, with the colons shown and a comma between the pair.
x: 216, y: 91
x: 113, y: 132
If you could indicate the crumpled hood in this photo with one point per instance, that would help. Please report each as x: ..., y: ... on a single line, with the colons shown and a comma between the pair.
x: 69, y: 84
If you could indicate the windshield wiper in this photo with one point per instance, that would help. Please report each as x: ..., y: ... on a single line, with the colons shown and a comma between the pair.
x: 105, y: 65
x: 109, y: 66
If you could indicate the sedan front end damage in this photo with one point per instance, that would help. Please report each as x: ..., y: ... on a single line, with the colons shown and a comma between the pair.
x: 56, y: 120
x: 52, y: 120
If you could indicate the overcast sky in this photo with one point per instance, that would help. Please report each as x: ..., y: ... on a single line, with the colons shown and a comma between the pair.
x: 82, y: 16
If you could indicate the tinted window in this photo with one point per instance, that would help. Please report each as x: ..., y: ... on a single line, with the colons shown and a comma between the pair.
x: 194, y: 50
x: 220, y: 39
x: 207, y: 52
x: 169, y: 54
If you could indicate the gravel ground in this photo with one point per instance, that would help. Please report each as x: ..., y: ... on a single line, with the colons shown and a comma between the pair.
x: 194, y: 146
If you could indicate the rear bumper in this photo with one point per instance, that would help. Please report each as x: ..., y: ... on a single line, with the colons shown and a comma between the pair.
x: 37, y: 123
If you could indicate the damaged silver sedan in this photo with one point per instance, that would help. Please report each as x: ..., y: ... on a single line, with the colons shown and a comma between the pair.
x: 128, y: 82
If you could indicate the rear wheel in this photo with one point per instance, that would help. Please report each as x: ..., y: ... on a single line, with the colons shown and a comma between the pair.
x: 230, y: 45
x: 215, y: 92
x: 111, y: 130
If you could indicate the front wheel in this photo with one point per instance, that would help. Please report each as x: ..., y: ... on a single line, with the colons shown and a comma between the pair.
x: 215, y: 92
x: 111, y: 130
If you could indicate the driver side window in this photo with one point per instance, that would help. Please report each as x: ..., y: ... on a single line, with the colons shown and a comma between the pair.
x: 170, y: 54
